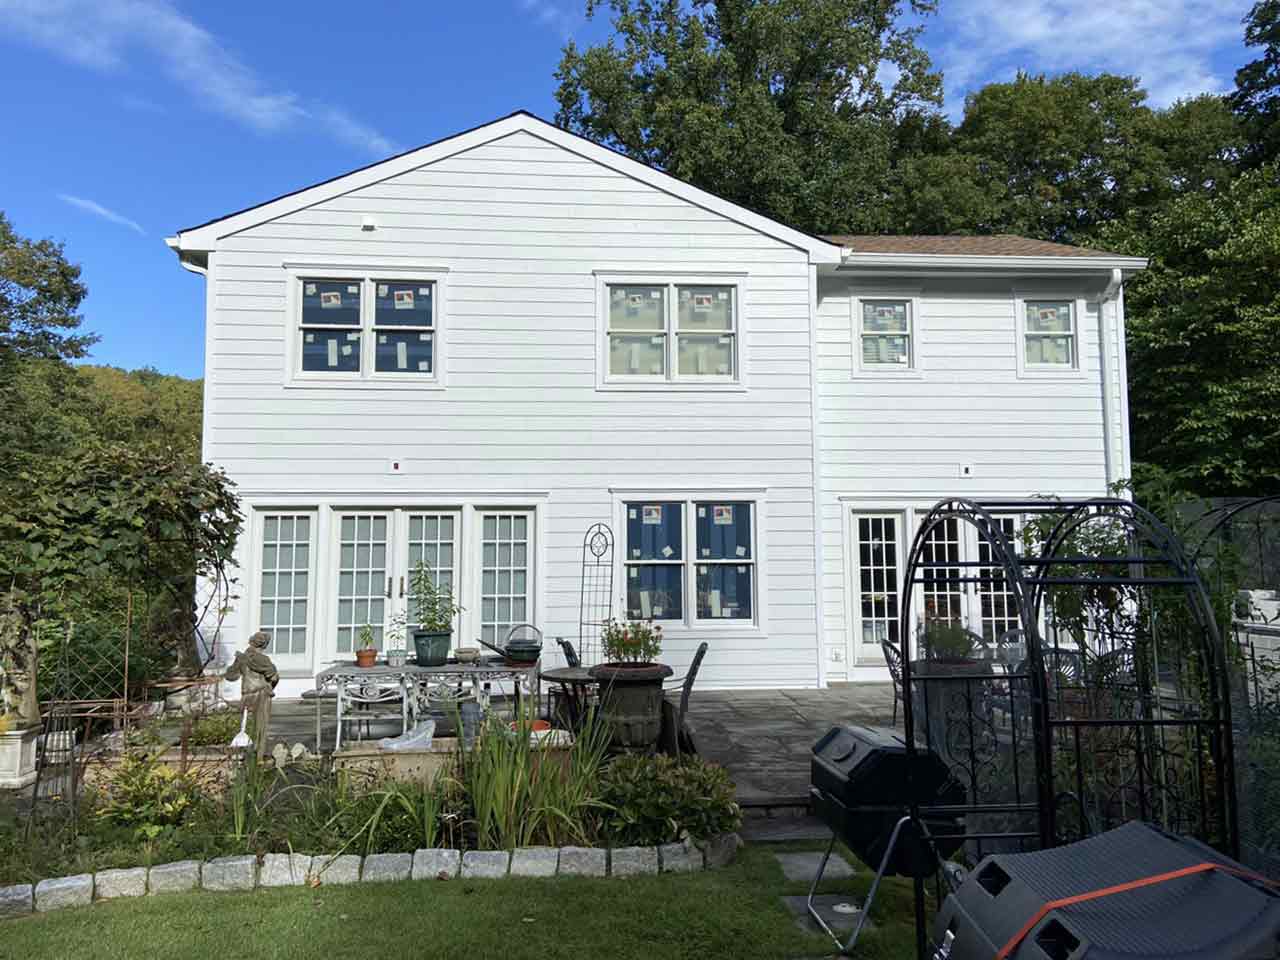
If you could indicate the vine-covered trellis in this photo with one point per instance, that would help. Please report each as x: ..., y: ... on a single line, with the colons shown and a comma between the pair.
x: 1109, y: 701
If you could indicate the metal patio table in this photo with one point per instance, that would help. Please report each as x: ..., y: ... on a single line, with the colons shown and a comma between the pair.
x: 576, y: 684
x: 381, y: 686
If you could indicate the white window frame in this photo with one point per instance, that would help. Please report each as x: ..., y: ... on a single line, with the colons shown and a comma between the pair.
x: 532, y: 564
x: 913, y: 369
x: 691, y: 624
x: 252, y: 603
x: 367, y: 277
x: 671, y: 380
x: 1049, y: 371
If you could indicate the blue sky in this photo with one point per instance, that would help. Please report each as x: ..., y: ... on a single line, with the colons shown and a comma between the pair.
x: 128, y: 119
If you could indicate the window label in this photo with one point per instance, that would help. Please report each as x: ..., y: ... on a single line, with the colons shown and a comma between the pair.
x: 722, y: 516
x: 652, y: 514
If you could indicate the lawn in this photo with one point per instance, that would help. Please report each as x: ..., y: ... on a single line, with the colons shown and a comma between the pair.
x: 735, y: 912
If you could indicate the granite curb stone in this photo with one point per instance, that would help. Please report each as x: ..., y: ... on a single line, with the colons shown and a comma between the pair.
x: 284, y: 870
x: 633, y: 861
x: 17, y: 901
x: 535, y: 861
x: 384, y: 867
x: 229, y: 873
x: 335, y: 871
x: 110, y: 884
x: 436, y: 864
x: 720, y: 851
x: 680, y: 857
x: 62, y: 892
x: 584, y: 862
x: 486, y: 864
x: 177, y: 877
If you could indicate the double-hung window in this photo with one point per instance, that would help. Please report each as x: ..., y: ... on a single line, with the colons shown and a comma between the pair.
x: 658, y: 332
x: 884, y: 334
x: 1049, y: 334
x: 366, y: 327
x: 703, y: 549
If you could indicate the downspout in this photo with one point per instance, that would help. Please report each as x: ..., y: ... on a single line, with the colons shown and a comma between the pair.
x: 819, y: 572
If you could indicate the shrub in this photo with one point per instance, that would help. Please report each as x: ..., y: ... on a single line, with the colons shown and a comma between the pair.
x: 217, y: 729
x: 146, y: 794
x: 661, y: 799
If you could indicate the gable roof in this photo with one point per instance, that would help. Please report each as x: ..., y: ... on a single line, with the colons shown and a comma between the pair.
x: 994, y: 245
x: 203, y: 237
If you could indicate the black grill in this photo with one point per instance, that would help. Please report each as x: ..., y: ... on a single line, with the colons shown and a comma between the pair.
x: 862, y: 782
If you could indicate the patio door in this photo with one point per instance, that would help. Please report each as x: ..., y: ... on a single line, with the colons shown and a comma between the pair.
x: 377, y: 554
x: 880, y: 543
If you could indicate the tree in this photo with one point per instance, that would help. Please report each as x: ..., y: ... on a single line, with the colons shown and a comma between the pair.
x: 782, y: 106
x: 1204, y: 321
x: 144, y: 406
x: 1256, y: 99
x: 40, y: 293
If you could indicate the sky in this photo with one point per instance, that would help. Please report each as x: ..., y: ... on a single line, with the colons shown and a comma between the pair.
x: 126, y: 120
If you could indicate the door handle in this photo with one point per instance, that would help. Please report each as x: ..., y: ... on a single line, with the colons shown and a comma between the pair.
x: 402, y: 586
x: 388, y: 588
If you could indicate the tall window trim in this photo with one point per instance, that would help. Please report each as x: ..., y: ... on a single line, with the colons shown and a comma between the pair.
x: 689, y: 561
x: 1049, y: 371
x: 912, y: 369
x: 671, y: 378
x: 368, y: 329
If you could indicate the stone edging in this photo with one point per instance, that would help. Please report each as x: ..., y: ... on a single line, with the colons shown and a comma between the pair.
x: 286, y: 870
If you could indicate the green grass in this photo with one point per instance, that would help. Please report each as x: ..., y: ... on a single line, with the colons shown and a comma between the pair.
x: 735, y: 912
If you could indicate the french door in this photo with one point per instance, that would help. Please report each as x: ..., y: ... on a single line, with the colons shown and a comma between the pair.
x: 880, y: 544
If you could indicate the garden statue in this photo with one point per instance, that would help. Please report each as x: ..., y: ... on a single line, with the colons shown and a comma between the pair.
x: 258, y: 677
x: 19, y: 708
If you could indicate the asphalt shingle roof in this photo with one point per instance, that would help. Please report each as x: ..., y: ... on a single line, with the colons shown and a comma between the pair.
x: 995, y: 245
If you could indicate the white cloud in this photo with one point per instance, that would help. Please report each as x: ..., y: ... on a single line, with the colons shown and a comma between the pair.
x: 106, y: 34
x: 98, y: 210
x: 1174, y: 46
x: 550, y: 14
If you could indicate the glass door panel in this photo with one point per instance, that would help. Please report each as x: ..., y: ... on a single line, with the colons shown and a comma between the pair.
x: 363, y: 578
x: 430, y: 540
x: 506, y: 547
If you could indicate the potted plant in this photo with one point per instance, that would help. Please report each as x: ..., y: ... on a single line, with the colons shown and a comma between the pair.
x: 366, y: 652
x: 433, y: 611
x: 949, y: 688
x: 631, y: 682
x: 397, y: 628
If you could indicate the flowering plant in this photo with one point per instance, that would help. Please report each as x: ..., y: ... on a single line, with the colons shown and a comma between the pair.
x: 638, y: 642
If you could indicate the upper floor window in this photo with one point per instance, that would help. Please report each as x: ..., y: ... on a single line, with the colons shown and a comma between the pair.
x: 666, y: 332
x: 1049, y: 334
x: 367, y: 327
x: 885, y: 334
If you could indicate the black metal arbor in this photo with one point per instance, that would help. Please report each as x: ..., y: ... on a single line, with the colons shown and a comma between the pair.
x: 1096, y: 691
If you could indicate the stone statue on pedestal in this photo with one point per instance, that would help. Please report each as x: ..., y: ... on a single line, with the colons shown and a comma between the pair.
x: 258, y: 677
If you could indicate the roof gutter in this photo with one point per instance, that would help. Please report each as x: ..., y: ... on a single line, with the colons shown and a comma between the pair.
x: 194, y: 260
x: 1001, y: 265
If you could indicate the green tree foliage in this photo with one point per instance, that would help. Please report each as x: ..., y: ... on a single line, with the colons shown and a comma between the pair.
x: 144, y: 406
x: 1203, y: 323
x: 40, y: 294
x: 780, y: 105
x: 1256, y: 99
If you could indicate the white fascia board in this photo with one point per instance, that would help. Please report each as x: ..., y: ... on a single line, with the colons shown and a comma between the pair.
x: 996, y: 264
x: 205, y: 236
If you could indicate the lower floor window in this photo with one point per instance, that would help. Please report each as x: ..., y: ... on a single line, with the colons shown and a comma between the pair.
x: 700, y: 548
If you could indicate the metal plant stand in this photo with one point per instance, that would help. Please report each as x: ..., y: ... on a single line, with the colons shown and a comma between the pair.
x: 595, y: 606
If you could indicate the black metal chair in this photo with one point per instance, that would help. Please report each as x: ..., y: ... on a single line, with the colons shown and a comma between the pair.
x: 570, y: 654
x: 685, y: 685
x: 893, y: 660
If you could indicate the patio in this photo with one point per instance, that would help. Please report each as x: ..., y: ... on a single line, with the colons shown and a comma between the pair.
x: 761, y: 736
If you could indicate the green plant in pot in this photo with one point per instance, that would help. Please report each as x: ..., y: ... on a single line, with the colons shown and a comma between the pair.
x: 631, y: 682
x: 946, y: 642
x: 366, y: 647
x: 434, y: 611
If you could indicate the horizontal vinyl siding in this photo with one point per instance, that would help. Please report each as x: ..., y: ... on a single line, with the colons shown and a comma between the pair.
x: 521, y: 225
x: 890, y: 441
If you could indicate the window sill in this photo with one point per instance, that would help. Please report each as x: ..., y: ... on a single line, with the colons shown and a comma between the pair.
x: 1049, y: 373
x: 670, y: 386
x: 337, y: 383
x: 907, y: 373
x: 704, y: 631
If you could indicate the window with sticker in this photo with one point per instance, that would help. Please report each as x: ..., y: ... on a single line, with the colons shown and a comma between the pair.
x: 672, y: 332
x: 703, y: 550
x: 367, y: 327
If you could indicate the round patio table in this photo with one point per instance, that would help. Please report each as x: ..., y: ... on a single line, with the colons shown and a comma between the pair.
x: 575, y: 684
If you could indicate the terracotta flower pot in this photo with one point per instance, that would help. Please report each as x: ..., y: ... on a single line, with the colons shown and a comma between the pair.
x: 366, y: 658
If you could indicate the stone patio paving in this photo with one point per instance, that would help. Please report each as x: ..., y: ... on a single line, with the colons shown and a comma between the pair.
x: 764, y: 737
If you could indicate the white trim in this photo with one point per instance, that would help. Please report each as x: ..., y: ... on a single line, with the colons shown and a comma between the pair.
x: 251, y: 598
x: 210, y: 336
x: 1049, y: 371
x: 206, y: 236
x: 671, y: 380
x: 914, y: 368
x: 1122, y: 365
x: 366, y: 377
x: 816, y: 472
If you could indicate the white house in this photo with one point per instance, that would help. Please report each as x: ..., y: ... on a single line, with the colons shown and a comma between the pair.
x: 471, y: 352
